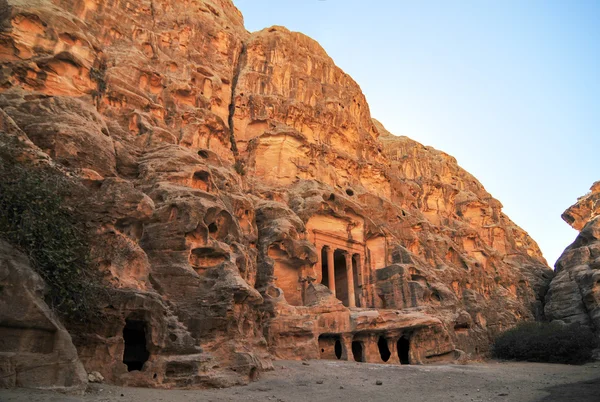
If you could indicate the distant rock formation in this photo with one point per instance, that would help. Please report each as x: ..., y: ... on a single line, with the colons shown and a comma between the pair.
x: 574, y: 294
x: 247, y: 207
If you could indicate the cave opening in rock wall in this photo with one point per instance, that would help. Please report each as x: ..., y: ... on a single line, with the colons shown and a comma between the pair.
x: 341, y: 277
x: 330, y: 347
x: 338, y: 349
x: 357, y: 351
x: 135, y: 353
x: 384, y: 350
x: 403, y: 347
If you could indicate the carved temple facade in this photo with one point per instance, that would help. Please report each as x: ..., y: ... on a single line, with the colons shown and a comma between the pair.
x: 351, y: 263
x: 346, y: 261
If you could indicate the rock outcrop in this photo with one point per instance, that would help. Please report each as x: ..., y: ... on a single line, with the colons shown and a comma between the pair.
x: 574, y: 294
x: 36, y: 350
x: 245, y: 206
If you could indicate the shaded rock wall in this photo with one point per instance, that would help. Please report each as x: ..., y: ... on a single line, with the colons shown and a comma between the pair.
x: 574, y: 294
x: 228, y: 173
x: 36, y: 350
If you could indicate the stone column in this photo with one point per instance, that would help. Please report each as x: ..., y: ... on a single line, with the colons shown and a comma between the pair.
x: 359, y: 271
x: 331, y: 269
x: 350, y: 279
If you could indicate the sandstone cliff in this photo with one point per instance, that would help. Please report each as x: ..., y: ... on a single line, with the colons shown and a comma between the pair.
x: 247, y: 207
x: 574, y: 294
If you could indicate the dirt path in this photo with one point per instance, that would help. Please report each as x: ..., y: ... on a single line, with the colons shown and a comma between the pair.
x: 323, y: 380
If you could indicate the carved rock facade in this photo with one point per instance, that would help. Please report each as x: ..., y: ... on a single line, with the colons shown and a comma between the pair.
x: 247, y: 207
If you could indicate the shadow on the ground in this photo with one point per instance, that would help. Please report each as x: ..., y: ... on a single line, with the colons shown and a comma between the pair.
x: 584, y: 391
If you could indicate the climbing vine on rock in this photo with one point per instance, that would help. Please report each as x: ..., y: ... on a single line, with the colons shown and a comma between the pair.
x: 35, y: 218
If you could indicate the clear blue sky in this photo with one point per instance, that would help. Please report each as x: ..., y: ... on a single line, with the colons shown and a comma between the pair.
x: 510, y: 88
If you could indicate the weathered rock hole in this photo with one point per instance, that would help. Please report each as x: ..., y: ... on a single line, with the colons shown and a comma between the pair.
x: 253, y: 375
x: 213, y: 228
x: 331, y: 197
x: 350, y: 192
x: 461, y: 327
x: 384, y: 350
x: 173, y: 337
x: 135, y: 353
x: 206, y: 257
x: 201, y: 180
x: 403, y: 347
x: 203, y: 154
x: 358, y: 351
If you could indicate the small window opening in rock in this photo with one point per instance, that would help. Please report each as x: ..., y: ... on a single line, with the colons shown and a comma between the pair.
x: 338, y: 349
x: 203, y: 154
x: 154, y: 376
x: 350, y: 192
x: 384, y: 351
x: 436, y: 296
x: 173, y: 337
x: 331, y: 197
x: 403, y: 350
x: 201, y: 175
x: 212, y: 228
x: 322, y: 350
x: 357, y: 351
x: 135, y: 353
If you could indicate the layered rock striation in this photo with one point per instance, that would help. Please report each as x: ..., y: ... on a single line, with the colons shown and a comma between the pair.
x: 574, y: 294
x: 245, y: 204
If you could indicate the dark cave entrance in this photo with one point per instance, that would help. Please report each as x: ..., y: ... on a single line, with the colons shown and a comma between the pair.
x: 384, y: 350
x: 403, y: 350
x: 135, y: 353
x: 338, y: 349
x: 357, y: 351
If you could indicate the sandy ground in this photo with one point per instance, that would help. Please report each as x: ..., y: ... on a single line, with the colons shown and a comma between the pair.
x: 323, y: 380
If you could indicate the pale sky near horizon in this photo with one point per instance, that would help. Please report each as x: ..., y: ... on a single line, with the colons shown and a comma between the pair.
x: 510, y: 88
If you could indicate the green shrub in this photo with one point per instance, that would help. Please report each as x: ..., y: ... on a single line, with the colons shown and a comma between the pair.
x: 546, y: 342
x: 35, y: 218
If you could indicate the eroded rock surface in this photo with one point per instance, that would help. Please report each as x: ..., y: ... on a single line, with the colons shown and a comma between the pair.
x: 574, y: 294
x: 36, y: 350
x: 245, y: 206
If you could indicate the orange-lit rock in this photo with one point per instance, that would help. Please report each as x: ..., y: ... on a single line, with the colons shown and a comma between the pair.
x: 237, y: 179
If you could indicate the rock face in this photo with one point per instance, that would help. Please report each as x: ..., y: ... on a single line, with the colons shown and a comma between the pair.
x: 35, y: 348
x: 574, y: 294
x: 245, y: 204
